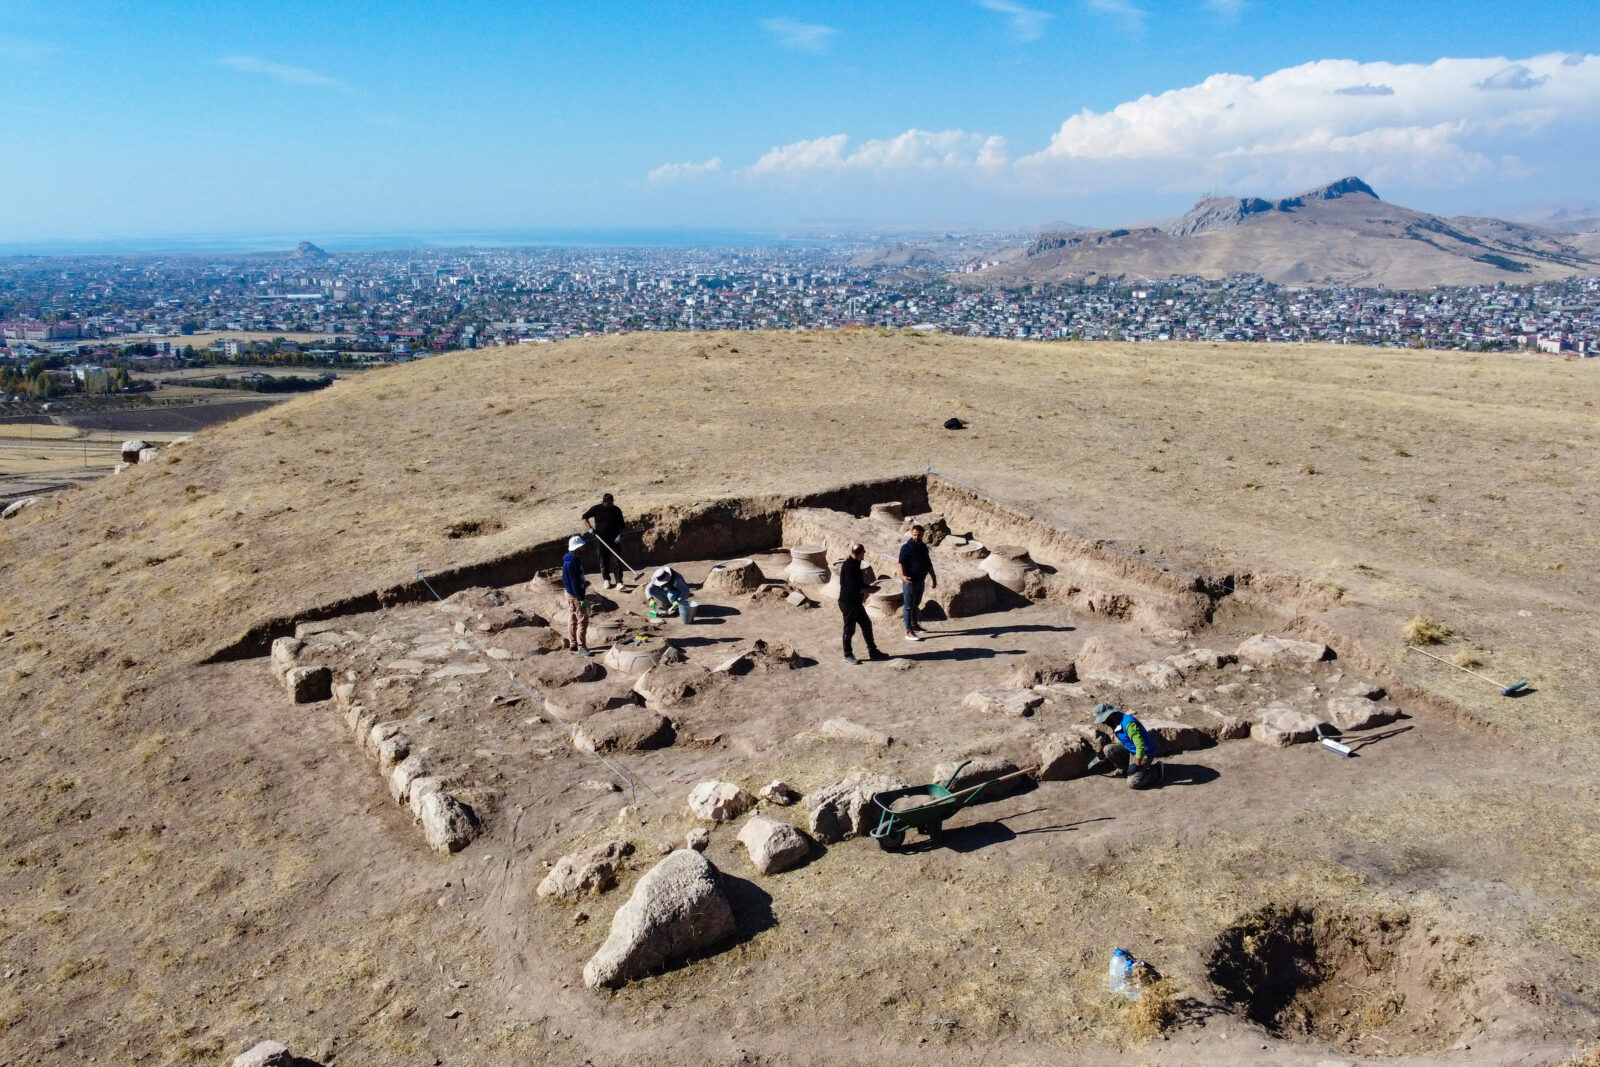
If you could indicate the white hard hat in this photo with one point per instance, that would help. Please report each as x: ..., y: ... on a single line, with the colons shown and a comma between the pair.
x: 574, y: 543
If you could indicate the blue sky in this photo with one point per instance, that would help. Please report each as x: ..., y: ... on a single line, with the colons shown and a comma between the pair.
x: 180, y: 118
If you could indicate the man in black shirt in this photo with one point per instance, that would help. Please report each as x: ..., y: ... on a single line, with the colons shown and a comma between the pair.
x: 605, y: 521
x: 852, y: 596
x: 916, y: 567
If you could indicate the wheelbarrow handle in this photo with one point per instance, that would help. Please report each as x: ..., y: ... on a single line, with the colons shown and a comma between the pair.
x: 992, y: 781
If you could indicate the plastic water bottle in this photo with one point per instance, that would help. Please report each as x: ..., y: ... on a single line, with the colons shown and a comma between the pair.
x: 1119, y: 977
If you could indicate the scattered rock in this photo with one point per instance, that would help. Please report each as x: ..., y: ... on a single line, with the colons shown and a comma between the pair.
x: 265, y: 1054
x: 552, y: 672
x: 847, y: 730
x: 1229, y: 690
x: 666, y: 686
x: 420, y: 788
x: 1282, y: 726
x: 286, y: 654
x: 1265, y: 651
x: 719, y: 801
x: 596, y: 785
x: 529, y: 641
x: 1065, y: 755
x: 1228, y: 727
x: 624, y: 730
x: 309, y: 685
x: 773, y: 846
x: 1160, y: 674
x: 677, y: 910
x: 779, y: 792
x: 1200, y: 659
x: 148, y: 455
x: 344, y: 694
x: 1126, y: 683
x: 845, y: 809
x: 404, y: 774
x: 759, y: 655
x: 391, y: 751
x: 131, y: 449
x: 591, y: 871
x: 16, y: 506
x: 1035, y: 669
x: 1359, y: 713
x: 799, y: 599
x: 1178, y: 736
x: 982, y: 769
x: 1364, y: 690
x: 698, y: 839
x: 1019, y: 702
x: 449, y: 824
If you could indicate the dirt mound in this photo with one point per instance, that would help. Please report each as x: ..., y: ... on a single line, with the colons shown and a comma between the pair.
x: 1362, y: 980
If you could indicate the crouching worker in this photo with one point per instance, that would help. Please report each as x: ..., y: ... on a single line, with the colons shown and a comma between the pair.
x: 1133, y: 750
x: 667, y: 591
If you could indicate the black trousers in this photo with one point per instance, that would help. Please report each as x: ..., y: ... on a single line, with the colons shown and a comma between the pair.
x: 610, y: 565
x: 856, y: 615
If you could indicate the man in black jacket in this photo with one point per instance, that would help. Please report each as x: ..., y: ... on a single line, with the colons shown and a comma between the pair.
x: 852, y: 604
x: 605, y: 522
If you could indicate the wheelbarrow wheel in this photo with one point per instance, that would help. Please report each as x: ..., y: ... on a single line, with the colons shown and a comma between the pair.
x: 892, y: 842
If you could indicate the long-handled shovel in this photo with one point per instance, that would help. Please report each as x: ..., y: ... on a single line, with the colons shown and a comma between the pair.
x: 637, y: 574
x: 1505, y: 690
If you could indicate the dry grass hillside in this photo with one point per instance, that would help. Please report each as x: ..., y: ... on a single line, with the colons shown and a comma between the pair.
x: 170, y: 888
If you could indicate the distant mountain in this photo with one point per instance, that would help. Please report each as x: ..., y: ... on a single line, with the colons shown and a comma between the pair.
x: 307, y: 250
x: 1341, y: 233
x: 1571, y: 222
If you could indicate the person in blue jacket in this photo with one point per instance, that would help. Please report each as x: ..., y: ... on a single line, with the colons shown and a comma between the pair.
x: 576, y: 583
x: 1133, y: 750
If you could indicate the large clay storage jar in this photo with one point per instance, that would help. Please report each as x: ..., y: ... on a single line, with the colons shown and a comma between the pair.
x: 884, y: 601
x: 890, y: 511
x: 1009, y: 565
x: 808, y: 566
x: 635, y: 655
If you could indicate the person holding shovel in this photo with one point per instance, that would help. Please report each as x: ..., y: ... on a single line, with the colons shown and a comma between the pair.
x: 605, y: 526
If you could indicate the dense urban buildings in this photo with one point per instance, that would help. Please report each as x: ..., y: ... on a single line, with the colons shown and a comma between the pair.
x: 386, y: 306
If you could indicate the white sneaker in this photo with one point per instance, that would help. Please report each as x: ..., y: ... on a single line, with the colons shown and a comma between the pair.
x: 912, y: 637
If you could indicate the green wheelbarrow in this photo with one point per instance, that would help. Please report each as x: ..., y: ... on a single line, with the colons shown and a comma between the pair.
x: 938, y: 803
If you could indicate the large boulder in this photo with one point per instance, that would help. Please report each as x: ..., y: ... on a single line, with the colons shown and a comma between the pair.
x: 1263, y: 650
x: 1200, y: 659
x: 286, y: 654
x: 667, y: 685
x: 265, y: 1054
x: 845, y: 809
x: 552, y: 672
x: 624, y: 730
x: 17, y: 506
x: 449, y: 825
x: 1173, y: 736
x: 308, y: 685
x: 1281, y: 726
x: 593, y: 870
x: 1019, y: 702
x: 980, y: 769
x: 131, y: 449
x: 736, y: 577
x: 1359, y: 713
x: 677, y: 910
x: 1065, y: 755
x: 1160, y: 674
x: 773, y: 846
x: 719, y: 801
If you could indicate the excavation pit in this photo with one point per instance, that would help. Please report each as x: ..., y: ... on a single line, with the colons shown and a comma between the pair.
x: 1373, y: 981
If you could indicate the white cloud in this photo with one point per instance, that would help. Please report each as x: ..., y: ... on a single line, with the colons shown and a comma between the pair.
x: 1026, y: 23
x: 670, y: 172
x: 1427, y: 122
x: 279, y: 72
x: 914, y: 150
x: 1128, y: 14
x: 800, y: 36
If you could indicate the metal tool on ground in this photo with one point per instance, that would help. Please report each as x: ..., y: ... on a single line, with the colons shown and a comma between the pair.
x: 928, y: 817
x: 1505, y: 690
x: 637, y: 573
x: 1333, y: 744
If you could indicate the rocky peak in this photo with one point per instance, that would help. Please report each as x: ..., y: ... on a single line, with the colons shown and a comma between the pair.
x: 1335, y: 190
x: 307, y: 250
x: 1226, y: 212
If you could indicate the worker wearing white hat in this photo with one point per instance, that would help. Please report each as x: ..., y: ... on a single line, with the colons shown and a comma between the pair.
x: 576, y: 584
